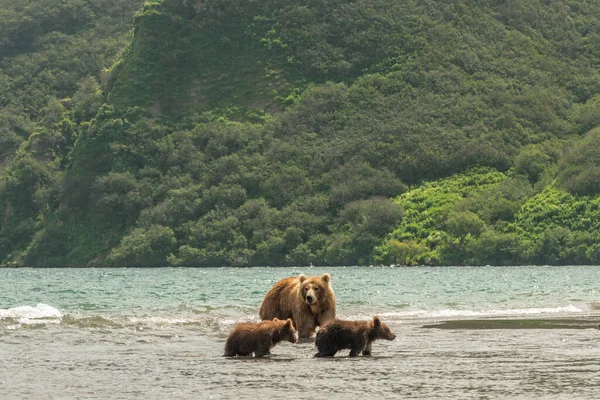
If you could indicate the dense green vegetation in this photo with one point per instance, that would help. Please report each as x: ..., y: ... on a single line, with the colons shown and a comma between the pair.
x: 284, y: 132
x: 487, y: 217
x: 49, y: 48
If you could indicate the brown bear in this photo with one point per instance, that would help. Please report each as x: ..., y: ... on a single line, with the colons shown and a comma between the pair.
x: 308, y: 301
x: 357, y: 336
x: 259, y: 338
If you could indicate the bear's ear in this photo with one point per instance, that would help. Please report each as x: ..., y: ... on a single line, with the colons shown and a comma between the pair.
x: 289, y: 324
x: 275, y: 319
x: 326, y: 277
x: 376, y: 322
x: 302, y: 278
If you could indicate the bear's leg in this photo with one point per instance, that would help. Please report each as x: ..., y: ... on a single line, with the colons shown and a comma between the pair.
x: 367, y: 350
x: 306, y: 331
x: 326, y: 353
x: 262, y: 351
x: 304, y: 324
x: 358, y: 344
x: 230, y: 350
x: 354, y: 352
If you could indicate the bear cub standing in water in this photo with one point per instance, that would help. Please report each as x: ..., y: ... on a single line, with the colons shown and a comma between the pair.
x: 259, y: 338
x: 357, y: 336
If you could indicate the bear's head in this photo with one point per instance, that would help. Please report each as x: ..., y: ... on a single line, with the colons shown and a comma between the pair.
x: 379, y: 330
x: 287, y: 331
x: 314, y: 289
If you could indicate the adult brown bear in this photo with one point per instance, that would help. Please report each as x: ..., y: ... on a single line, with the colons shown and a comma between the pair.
x: 308, y: 301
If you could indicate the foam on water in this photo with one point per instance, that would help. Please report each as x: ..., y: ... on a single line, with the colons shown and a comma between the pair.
x: 452, y: 313
x: 32, y: 315
x: 218, y: 321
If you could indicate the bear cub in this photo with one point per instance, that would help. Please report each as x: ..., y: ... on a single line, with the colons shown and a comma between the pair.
x: 259, y: 338
x: 357, y: 336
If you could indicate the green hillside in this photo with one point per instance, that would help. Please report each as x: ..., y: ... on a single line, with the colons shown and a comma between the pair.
x: 48, y: 50
x: 288, y: 133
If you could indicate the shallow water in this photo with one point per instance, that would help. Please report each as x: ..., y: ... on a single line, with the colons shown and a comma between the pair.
x: 159, y: 334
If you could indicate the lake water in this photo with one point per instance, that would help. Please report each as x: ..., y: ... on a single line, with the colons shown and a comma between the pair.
x: 159, y: 334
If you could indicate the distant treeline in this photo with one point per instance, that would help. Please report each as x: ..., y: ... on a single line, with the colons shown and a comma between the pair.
x: 202, y: 133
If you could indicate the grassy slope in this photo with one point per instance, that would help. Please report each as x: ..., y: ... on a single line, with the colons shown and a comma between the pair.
x: 551, y: 226
x: 181, y: 60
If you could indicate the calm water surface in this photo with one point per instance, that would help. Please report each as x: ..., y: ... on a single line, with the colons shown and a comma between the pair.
x: 159, y: 334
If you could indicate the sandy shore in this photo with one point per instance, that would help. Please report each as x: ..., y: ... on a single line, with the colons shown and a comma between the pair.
x: 549, y: 323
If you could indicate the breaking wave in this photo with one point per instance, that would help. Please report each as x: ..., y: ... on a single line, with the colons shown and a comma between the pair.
x: 512, y: 313
x: 220, y: 320
x: 41, y: 313
x: 208, y: 320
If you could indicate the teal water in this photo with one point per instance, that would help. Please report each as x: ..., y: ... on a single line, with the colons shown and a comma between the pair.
x: 159, y: 333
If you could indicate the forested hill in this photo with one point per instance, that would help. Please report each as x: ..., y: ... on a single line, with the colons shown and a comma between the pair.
x: 280, y: 132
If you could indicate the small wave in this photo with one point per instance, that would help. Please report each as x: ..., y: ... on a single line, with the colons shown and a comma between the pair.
x: 90, y: 322
x: 215, y: 324
x: 457, y: 313
x: 164, y: 320
x: 211, y: 320
x: 453, y: 313
x: 41, y: 313
x: 595, y: 305
x: 204, y: 309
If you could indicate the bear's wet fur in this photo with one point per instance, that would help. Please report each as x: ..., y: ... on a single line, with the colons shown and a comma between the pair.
x: 259, y: 338
x: 358, y: 336
x: 308, y: 301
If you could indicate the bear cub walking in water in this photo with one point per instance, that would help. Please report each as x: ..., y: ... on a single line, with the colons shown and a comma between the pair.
x: 259, y: 338
x: 357, y: 336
